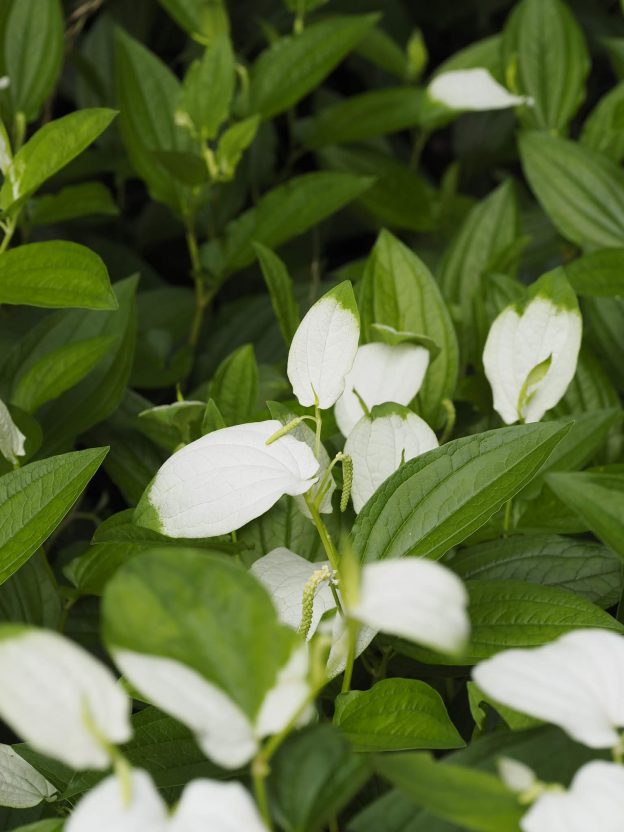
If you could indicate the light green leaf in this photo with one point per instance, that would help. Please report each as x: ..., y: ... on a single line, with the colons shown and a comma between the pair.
x: 171, y: 425
x: 603, y: 130
x: 580, y: 566
x: 73, y: 202
x: 51, y: 148
x: 598, y: 273
x: 544, y: 51
x: 235, y: 386
x: 281, y: 290
x: 295, y: 65
x: 281, y: 214
x: 55, y: 274
x: 207, y: 91
x: 32, y: 53
x: 202, y: 19
x: 59, y: 371
x: 599, y: 500
x: 442, y: 497
x: 233, y: 143
x: 581, y: 191
x: 472, y: 798
x: 34, y: 500
x: 396, y: 715
x: 398, y: 290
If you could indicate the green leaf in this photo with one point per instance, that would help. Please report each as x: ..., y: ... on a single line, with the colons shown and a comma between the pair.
x: 34, y: 500
x: 42, y: 826
x: 603, y: 130
x: 583, y: 567
x: 213, y: 617
x: 281, y: 291
x: 599, y: 500
x: 581, y: 191
x: 213, y: 418
x: 590, y: 389
x: 293, y: 66
x: 440, y: 498
x: 59, y: 371
x: 312, y: 777
x: 97, y: 396
x: 598, y: 273
x: 399, y: 197
x: 171, y: 425
x: 235, y: 386
x: 31, y: 596
x: 233, y: 143
x: 51, y: 148
x: 544, y: 51
x: 202, y: 19
x: 148, y: 94
x: 55, y: 274
x: 510, y: 614
x: 398, y: 290
x: 362, y: 117
x: 208, y: 89
x: 73, y: 202
x: 604, y: 324
x: 32, y: 53
x: 471, y: 798
x: 490, y: 227
x: 396, y: 715
x: 281, y: 214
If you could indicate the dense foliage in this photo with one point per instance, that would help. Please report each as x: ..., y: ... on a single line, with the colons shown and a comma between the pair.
x: 311, y: 458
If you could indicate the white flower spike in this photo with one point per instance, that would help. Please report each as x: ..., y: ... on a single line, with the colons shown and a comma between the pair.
x: 224, y: 480
x: 532, y: 349
x: 594, y: 801
x: 380, y: 443
x: 323, y: 348
x: 11, y: 438
x: 222, y: 730
x: 60, y: 699
x: 473, y: 89
x: 380, y: 373
x: 205, y: 806
x: 21, y: 785
x: 575, y: 682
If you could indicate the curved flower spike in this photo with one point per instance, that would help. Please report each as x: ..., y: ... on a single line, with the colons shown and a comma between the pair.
x: 60, y: 699
x: 473, y: 89
x: 11, y: 438
x: 220, y: 482
x: 380, y: 443
x: 323, y: 348
x: 575, y: 682
x: 380, y: 373
x: 594, y: 801
x: 531, y: 350
x: 21, y: 785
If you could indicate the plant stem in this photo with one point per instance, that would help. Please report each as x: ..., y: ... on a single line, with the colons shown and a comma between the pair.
x: 451, y: 416
x: 328, y: 543
x: 259, y: 772
x: 9, y: 231
x: 348, y: 674
x: 201, y: 297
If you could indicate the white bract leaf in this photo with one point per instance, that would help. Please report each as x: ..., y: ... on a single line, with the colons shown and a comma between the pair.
x: 5, y: 82
x: 575, y: 682
x: 531, y: 351
x: 60, y: 699
x: 380, y: 373
x: 380, y: 443
x: 594, y: 801
x: 11, y: 438
x: 323, y: 348
x: 473, y: 89
x: 224, y: 480
x: 416, y: 599
x: 21, y: 785
x: 222, y: 730
x: 134, y: 806
x: 516, y: 776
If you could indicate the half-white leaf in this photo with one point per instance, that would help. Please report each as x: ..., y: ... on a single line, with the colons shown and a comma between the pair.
x: 21, y: 785
x: 11, y: 438
x: 473, y: 89
x: 212, y: 806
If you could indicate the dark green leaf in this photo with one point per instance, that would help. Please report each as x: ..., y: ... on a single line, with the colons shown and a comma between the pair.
x: 235, y: 386
x: 281, y: 290
x: 73, y: 202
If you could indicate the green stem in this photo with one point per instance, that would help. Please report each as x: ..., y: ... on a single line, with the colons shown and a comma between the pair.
x: 201, y: 297
x: 451, y: 416
x: 9, y: 231
x: 319, y: 425
x: 328, y: 544
x: 259, y: 772
x: 507, y: 518
x: 348, y: 674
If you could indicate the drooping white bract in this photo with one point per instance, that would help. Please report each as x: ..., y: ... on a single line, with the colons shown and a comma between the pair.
x: 323, y: 348
x: 220, y: 482
x: 531, y: 350
x: 11, y: 438
x: 136, y: 806
x: 380, y: 373
x: 473, y: 89
x: 416, y: 599
x: 21, y: 785
x: 60, y: 699
x: 594, y: 801
x: 222, y: 730
x: 413, y: 598
x: 379, y: 443
x: 575, y: 682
